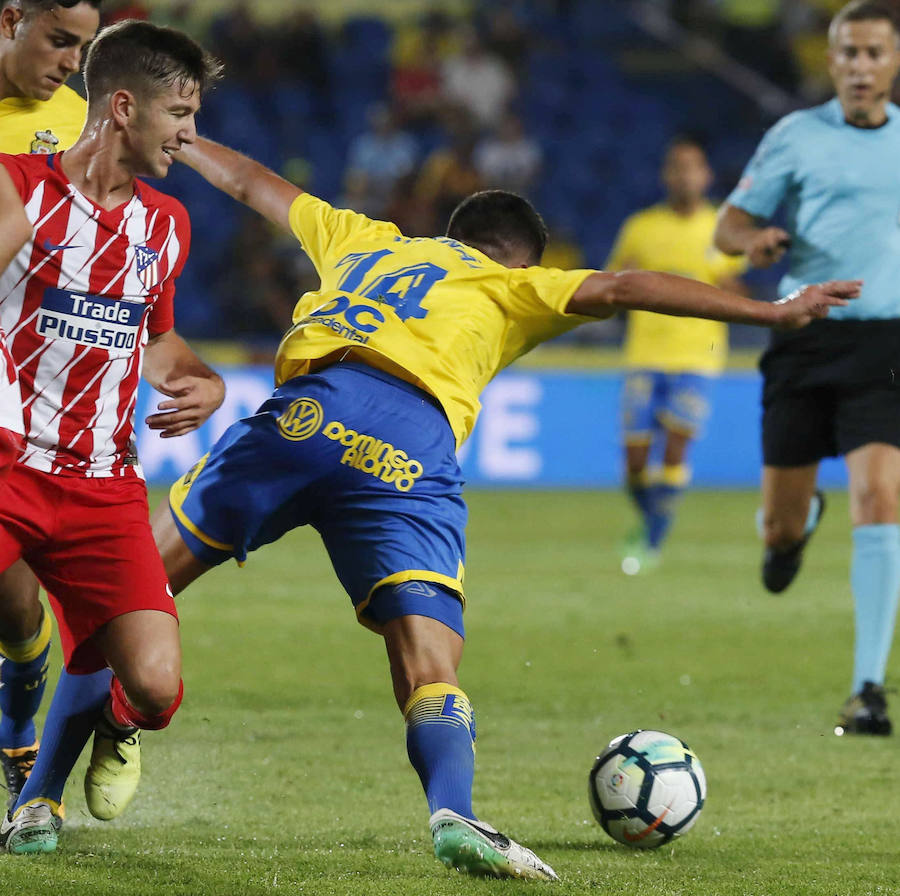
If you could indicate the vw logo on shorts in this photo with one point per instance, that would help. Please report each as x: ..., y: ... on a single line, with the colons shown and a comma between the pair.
x: 302, y: 419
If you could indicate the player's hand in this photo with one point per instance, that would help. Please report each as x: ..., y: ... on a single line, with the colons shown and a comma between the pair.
x: 812, y: 302
x: 768, y: 247
x: 192, y: 399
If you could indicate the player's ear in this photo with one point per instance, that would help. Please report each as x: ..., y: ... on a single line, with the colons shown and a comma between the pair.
x: 123, y: 107
x: 10, y: 17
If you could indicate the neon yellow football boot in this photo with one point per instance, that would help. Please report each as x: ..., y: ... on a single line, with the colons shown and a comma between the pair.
x: 114, y: 770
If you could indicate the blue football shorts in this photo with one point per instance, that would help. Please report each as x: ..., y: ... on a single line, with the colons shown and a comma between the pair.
x: 675, y: 401
x: 366, y: 459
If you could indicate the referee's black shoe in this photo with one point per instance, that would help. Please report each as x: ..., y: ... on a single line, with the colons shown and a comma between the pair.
x: 865, y: 712
x: 780, y: 567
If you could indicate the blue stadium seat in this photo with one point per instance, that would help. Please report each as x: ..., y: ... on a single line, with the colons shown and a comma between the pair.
x: 367, y: 37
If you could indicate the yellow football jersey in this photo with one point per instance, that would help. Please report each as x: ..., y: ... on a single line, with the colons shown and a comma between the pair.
x: 433, y: 312
x: 659, y: 239
x: 41, y: 125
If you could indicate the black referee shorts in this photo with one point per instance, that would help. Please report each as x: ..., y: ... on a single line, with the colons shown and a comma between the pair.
x: 830, y: 388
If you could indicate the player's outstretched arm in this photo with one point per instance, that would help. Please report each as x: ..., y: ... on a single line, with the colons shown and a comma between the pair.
x: 604, y: 293
x: 242, y: 178
x: 739, y: 233
x: 194, y: 389
x: 14, y: 226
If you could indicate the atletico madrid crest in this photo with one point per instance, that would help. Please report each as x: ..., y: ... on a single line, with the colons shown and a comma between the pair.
x: 147, y: 265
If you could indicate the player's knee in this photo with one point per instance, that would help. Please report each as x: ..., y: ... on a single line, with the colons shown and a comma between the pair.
x: 20, y: 615
x: 151, y: 690
x: 150, y: 707
x: 875, y: 502
x: 409, y: 678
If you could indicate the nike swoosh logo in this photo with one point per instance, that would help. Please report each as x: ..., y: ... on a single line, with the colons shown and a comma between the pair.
x: 501, y: 841
x: 58, y: 247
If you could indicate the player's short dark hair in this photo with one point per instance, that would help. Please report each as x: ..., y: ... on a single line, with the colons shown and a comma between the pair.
x: 499, y: 223
x: 146, y: 59
x: 865, y: 11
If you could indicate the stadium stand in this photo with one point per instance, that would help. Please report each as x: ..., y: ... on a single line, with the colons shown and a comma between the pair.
x: 597, y: 90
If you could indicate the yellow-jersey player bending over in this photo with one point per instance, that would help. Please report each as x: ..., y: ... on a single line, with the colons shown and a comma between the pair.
x: 670, y: 361
x: 378, y: 383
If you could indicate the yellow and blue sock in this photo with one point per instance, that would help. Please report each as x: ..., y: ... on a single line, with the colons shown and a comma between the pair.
x: 662, y: 497
x: 875, y: 579
x: 23, y: 678
x: 440, y: 743
x: 77, y: 705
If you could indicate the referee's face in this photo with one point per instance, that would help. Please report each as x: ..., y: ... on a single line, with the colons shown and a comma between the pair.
x: 863, y: 60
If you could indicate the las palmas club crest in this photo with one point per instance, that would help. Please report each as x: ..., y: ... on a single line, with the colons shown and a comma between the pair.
x: 147, y: 265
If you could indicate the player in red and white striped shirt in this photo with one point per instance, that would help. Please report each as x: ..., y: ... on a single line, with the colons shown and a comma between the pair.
x: 41, y: 45
x: 87, y: 307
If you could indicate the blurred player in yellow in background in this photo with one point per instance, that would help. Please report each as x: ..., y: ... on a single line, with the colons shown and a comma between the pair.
x: 671, y: 361
x: 41, y: 46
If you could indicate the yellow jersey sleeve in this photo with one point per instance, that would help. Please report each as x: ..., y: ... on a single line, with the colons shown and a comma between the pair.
x: 327, y: 234
x: 41, y: 126
x: 536, y: 308
x: 536, y: 290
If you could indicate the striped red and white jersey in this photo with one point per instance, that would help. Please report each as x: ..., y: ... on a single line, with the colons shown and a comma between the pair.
x: 78, y: 304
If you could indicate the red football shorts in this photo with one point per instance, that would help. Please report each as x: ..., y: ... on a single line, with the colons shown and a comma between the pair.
x: 90, y: 544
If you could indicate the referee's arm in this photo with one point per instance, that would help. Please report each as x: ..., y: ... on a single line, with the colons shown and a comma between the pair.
x: 739, y: 233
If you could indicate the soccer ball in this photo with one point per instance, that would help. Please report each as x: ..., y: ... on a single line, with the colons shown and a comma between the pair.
x: 646, y: 788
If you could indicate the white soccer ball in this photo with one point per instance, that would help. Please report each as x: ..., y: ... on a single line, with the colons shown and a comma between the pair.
x: 646, y: 788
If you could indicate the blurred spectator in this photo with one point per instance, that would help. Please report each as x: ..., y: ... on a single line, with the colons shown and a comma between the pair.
x: 359, y: 195
x: 507, y: 38
x: 477, y: 80
x: 433, y: 34
x: 237, y: 40
x: 256, y: 292
x: 449, y: 174
x: 124, y: 9
x: 301, y: 49
x: 262, y: 281
x: 752, y: 33
x: 417, y: 56
x: 412, y: 212
x: 183, y: 15
x: 380, y: 157
x: 807, y: 27
x: 508, y: 159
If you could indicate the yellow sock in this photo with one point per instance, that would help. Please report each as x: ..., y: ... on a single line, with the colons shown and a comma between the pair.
x: 26, y: 651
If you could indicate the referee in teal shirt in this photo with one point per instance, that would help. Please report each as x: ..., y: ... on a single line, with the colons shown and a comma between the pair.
x: 834, y: 388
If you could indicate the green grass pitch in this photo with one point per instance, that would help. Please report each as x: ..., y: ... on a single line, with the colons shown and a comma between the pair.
x: 285, y: 770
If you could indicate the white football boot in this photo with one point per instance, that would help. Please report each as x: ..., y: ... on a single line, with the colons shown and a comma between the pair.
x: 474, y: 847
